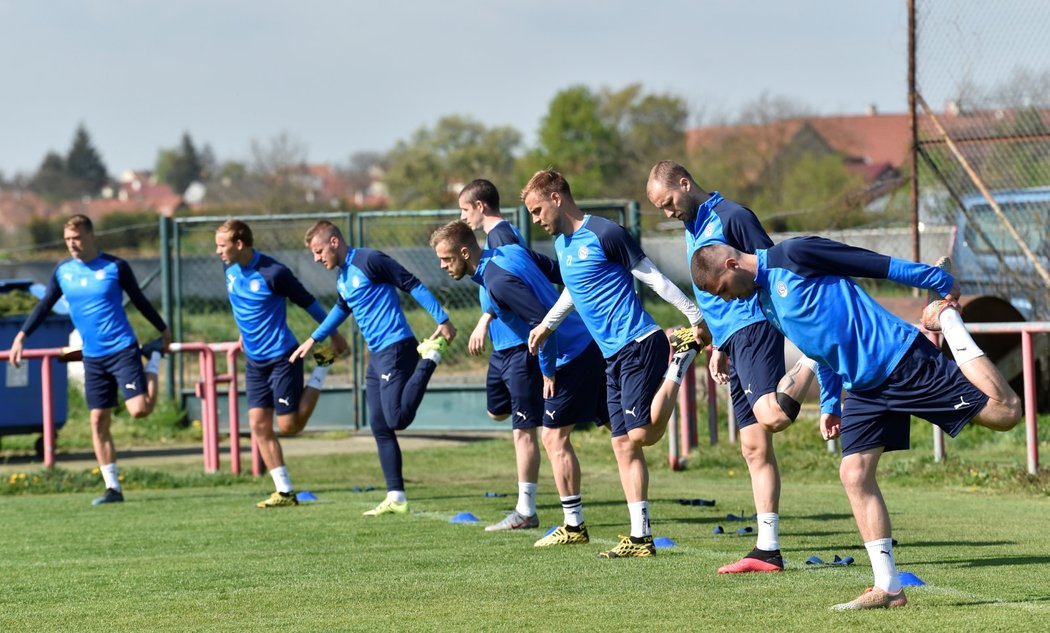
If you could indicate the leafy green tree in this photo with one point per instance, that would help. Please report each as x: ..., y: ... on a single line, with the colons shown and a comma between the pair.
x: 179, y: 166
x: 817, y: 193
x: 426, y: 171
x: 651, y: 127
x: 84, y: 163
x: 576, y: 140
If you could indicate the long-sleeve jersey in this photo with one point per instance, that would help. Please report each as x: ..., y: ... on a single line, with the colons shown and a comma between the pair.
x: 595, y: 263
x: 503, y: 337
x: 521, y: 293
x: 368, y: 283
x: 257, y: 295
x: 95, y: 292
x: 806, y: 290
x: 721, y: 221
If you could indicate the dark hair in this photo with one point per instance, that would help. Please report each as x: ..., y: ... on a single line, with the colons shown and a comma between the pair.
x: 481, y: 190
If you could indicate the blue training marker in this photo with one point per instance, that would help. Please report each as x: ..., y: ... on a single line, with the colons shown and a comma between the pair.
x: 745, y: 530
x: 495, y: 494
x: 717, y: 530
x: 464, y: 517
x: 305, y: 495
x: 909, y: 579
x: 734, y: 517
x: 662, y: 541
x: 814, y: 560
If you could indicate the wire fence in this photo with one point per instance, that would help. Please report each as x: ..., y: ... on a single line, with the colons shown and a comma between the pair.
x: 982, y: 94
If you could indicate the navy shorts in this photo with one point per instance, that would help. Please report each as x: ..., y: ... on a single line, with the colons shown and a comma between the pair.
x: 274, y: 384
x: 579, y: 391
x: 756, y: 365
x: 102, y: 375
x: 926, y: 384
x: 633, y: 375
x: 515, y: 387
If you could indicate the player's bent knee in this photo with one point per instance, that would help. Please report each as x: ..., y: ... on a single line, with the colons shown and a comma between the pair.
x: 499, y: 417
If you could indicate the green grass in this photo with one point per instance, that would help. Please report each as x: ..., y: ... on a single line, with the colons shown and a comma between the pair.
x: 190, y: 553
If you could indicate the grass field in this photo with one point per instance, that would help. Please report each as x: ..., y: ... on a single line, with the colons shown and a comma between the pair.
x: 188, y: 552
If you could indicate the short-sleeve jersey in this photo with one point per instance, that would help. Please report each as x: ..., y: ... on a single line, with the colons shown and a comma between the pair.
x: 595, y: 263
x: 258, y: 292
x: 721, y: 221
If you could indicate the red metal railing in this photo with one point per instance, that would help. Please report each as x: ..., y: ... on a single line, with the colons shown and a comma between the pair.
x: 48, y: 416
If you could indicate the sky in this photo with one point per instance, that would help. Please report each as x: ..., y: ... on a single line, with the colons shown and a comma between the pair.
x: 348, y: 76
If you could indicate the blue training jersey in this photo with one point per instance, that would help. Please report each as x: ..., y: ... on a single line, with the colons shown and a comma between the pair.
x: 522, y: 294
x: 503, y: 337
x: 95, y: 292
x: 806, y: 291
x: 721, y: 221
x: 257, y: 293
x: 368, y: 283
x: 595, y: 264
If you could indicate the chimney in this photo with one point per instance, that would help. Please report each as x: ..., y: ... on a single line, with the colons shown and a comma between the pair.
x: 871, y: 110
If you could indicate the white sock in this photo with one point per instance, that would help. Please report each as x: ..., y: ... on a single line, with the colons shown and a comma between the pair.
x: 768, y: 531
x: 954, y: 330
x: 880, y: 552
x: 526, y: 499
x: 281, y: 480
x: 639, y: 518
x: 110, y: 476
x: 679, y: 363
x: 433, y: 355
x: 153, y: 364
x: 397, y: 496
x: 572, y: 507
x: 317, y: 377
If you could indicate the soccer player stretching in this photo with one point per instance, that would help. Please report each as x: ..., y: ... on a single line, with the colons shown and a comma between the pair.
x: 598, y: 260
x: 398, y: 368
x: 258, y: 287
x: 94, y: 284
x: 763, y: 399
x: 568, y: 375
x: 889, y: 369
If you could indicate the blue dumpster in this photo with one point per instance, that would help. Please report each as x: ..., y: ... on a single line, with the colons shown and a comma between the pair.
x: 21, y: 409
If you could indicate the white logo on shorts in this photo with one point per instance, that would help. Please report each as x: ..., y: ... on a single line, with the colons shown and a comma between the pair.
x: 748, y: 390
x: 283, y: 401
x: 550, y: 413
x: 131, y: 387
x: 522, y: 414
x: 782, y: 289
x: 386, y: 377
x: 630, y: 412
x: 961, y: 403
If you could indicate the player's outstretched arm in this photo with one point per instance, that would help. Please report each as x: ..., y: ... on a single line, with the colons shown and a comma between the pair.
x: 476, y: 343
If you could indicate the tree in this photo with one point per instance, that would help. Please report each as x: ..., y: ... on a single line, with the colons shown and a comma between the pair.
x: 651, y: 127
x: 84, y: 163
x: 179, y: 166
x: 276, y: 164
x: 578, y: 142
x: 52, y: 182
x: 424, y: 172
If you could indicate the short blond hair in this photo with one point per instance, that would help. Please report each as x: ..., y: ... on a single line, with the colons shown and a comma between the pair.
x: 325, y: 229
x: 238, y: 230
x: 456, y: 233
x: 545, y: 182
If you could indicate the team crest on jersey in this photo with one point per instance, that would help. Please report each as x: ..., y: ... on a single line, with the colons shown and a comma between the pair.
x: 584, y: 252
x: 355, y: 281
x: 100, y: 274
x: 782, y: 289
x: 254, y: 285
x: 709, y: 231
